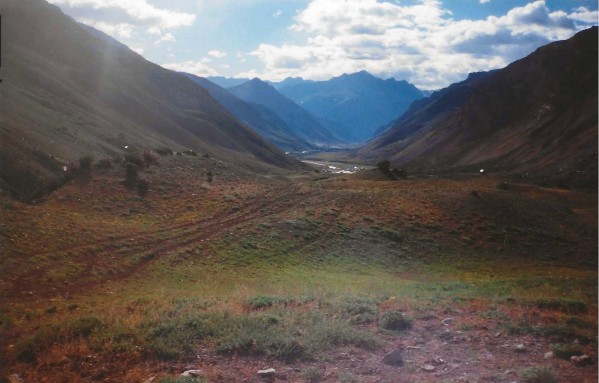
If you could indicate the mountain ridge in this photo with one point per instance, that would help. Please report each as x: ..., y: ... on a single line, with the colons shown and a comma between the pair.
x: 359, y: 101
x: 257, y: 117
x: 68, y: 93
x: 536, y: 117
x: 299, y: 120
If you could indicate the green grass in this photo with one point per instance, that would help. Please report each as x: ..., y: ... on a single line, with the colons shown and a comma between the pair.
x: 566, y: 350
x: 396, y: 321
x: 538, y: 375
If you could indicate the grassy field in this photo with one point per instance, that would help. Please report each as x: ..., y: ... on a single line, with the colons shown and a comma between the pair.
x: 317, y: 276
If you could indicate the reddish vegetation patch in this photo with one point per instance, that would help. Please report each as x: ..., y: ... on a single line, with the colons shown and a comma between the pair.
x: 87, y: 240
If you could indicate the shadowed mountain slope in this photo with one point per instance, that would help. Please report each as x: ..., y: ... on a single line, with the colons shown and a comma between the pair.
x: 537, y: 117
x: 359, y: 101
x: 257, y: 117
x: 302, y: 123
x: 70, y: 91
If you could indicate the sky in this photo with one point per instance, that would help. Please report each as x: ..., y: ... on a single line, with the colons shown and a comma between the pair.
x: 430, y: 43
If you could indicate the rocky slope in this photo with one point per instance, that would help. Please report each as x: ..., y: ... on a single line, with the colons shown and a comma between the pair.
x: 257, y: 117
x: 536, y: 117
x: 69, y: 91
x: 301, y: 122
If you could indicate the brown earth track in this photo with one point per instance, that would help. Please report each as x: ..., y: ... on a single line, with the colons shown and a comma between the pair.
x: 149, y: 248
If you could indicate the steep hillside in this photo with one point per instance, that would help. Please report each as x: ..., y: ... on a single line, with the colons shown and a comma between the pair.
x: 536, y: 117
x: 299, y: 120
x: 257, y: 117
x: 69, y: 91
x: 359, y: 101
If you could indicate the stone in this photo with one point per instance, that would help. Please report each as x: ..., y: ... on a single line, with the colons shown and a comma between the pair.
x: 583, y: 360
x: 548, y: 355
x: 195, y: 373
x: 447, y: 321
x: 428, y: 367
x: 393, y: 358
x: 267, y: 372
x: 520, y: 348
x: 15, y: 378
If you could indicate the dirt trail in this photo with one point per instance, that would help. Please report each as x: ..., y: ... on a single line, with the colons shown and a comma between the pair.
x: 150, y: 246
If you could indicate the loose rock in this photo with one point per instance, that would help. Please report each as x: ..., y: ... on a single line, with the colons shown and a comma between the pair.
x: 583, y: 360
x: 520, y: 348
x: 548, y: 355
x: 447, y: 321
x: 15, y: 378
x: 428, y: 367
x: 195, y: 373
x: 393, y: 358
x: 268, y: 372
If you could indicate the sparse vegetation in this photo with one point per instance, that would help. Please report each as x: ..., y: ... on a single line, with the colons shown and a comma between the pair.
x: 312, y: 374
x: 131, y: 174
x: 308, y: 274
x: 143, y: 186
x: 538, y: 375
x: 164, y: 151
x: 85, y: 163
x: 396, y: 321
x: 566, y: 350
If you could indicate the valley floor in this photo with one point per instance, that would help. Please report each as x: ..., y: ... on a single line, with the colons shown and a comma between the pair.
x: 315, y: 275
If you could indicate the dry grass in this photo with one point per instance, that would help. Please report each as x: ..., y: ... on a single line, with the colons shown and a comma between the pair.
x: 249, y: 269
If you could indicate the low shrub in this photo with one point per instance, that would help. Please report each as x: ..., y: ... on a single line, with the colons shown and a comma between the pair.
x: 164, y: 151
x: 395, y: 321
x: 143, y: 187
x: 360, y: 310
x: 538, y: 375
x: 85, y: 163
x: 312, y: 374
x: 570, y: 306
x: 566, y: 350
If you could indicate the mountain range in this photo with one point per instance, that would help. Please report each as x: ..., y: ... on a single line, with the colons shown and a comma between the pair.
x: 302, y: 123
x: 351, y: 107
x: 536, y: 117
x: 360, y: 102
x: 258, y: 117
x: 70, y: 91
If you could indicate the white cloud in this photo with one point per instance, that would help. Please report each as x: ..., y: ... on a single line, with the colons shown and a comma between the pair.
x: 484, y: 1
x: 277, y: 13
x: 217, y: 54
x: 199, y: 68
x: 124, y: 18
x: 167, y: 37
x: 421, y: 43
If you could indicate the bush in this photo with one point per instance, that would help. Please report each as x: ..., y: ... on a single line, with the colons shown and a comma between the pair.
x: 190, y: 152
x: 395, y: 321
x: 149, y: 157
x: 312, y: 374
x: 84, y: 326
x: 131, y: 173
x: 164, y: 151
x: 104, y: 164
x: 570, y: 306
x: 142, y: 187
x: 360, y: 310
x: 538, y: 375
x: 85, y: 163
x: 135, y: 159
x: 384, y: 166
x: 210, y: 177
x: 566, y: 350
x: 262, y: 301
